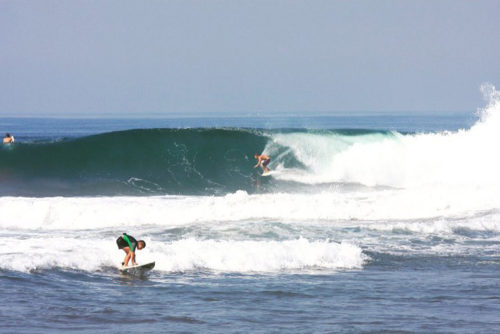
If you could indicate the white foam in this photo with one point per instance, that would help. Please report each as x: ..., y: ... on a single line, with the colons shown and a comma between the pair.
x: 46, y: 252
x: 171, y: 211
x: 442, y: 227
x: 258, y: 256
x: 466, y: 158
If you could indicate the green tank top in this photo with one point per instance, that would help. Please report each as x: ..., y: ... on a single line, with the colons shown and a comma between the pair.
x: 125, y: 237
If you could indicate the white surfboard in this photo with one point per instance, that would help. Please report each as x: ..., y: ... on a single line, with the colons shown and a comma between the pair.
x: 138, y: 269
x: 268, y: 173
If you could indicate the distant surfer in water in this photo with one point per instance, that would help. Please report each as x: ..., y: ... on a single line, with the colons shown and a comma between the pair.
x: 8, y: 139
x: 262, y: 160
x: 129, y: 245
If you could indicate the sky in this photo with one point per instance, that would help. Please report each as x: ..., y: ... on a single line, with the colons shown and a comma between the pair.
x: 163, y: 58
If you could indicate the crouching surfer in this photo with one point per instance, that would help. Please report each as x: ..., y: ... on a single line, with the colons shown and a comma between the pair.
x: 262, y: 160
x: 129, y: 245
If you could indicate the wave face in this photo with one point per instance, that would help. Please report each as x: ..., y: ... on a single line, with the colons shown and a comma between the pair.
x: 154, y: 162
x: 220, y: 161
x: 134, y: 162
x: 464, y: 158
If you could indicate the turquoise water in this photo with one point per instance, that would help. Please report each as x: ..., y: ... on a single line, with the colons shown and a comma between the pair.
x: 155, y: 162
x: 368, y: 224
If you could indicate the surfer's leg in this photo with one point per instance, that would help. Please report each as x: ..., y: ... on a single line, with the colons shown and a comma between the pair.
x: 264, y: 165
x: 127, y: 256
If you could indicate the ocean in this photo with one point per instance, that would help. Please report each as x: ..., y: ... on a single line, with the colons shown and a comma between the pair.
x: 368, y: 224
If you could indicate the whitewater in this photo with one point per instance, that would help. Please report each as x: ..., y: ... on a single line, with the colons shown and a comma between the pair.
x: 402, y: 218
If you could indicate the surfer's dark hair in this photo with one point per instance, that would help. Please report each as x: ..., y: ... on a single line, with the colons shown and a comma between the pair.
x: 143, y: 242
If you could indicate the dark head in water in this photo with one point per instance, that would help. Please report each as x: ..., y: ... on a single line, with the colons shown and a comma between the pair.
x: 8, y: 138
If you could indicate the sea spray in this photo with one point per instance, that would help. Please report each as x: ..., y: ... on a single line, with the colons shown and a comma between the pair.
x: 461, y: 159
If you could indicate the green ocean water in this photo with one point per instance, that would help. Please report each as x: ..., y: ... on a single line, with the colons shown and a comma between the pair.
x: 156, y: 161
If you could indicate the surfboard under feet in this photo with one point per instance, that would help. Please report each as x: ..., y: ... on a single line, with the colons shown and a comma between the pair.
x: 138, y: 269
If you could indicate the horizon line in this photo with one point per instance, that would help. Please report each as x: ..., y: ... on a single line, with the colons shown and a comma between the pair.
x: 303, y: 114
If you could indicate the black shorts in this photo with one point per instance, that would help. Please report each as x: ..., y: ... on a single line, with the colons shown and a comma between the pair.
x: 266, y: 162
x: 121, y: 243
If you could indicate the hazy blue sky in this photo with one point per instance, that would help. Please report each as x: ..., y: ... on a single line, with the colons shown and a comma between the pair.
x: 91, y: 58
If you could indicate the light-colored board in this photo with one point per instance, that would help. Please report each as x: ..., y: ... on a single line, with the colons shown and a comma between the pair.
x: 138, y: 269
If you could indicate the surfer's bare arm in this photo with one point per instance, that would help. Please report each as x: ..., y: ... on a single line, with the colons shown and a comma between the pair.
x: 132, y: 257
x: 258, y: 162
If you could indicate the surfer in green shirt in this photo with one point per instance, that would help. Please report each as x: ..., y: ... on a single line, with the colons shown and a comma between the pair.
x: 129, y: 245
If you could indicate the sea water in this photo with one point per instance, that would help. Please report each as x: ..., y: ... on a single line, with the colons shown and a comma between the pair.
x: 368, y: 224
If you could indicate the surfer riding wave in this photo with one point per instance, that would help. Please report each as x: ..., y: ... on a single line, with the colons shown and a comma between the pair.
x: 262, y: 160
x: 129, y: 245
